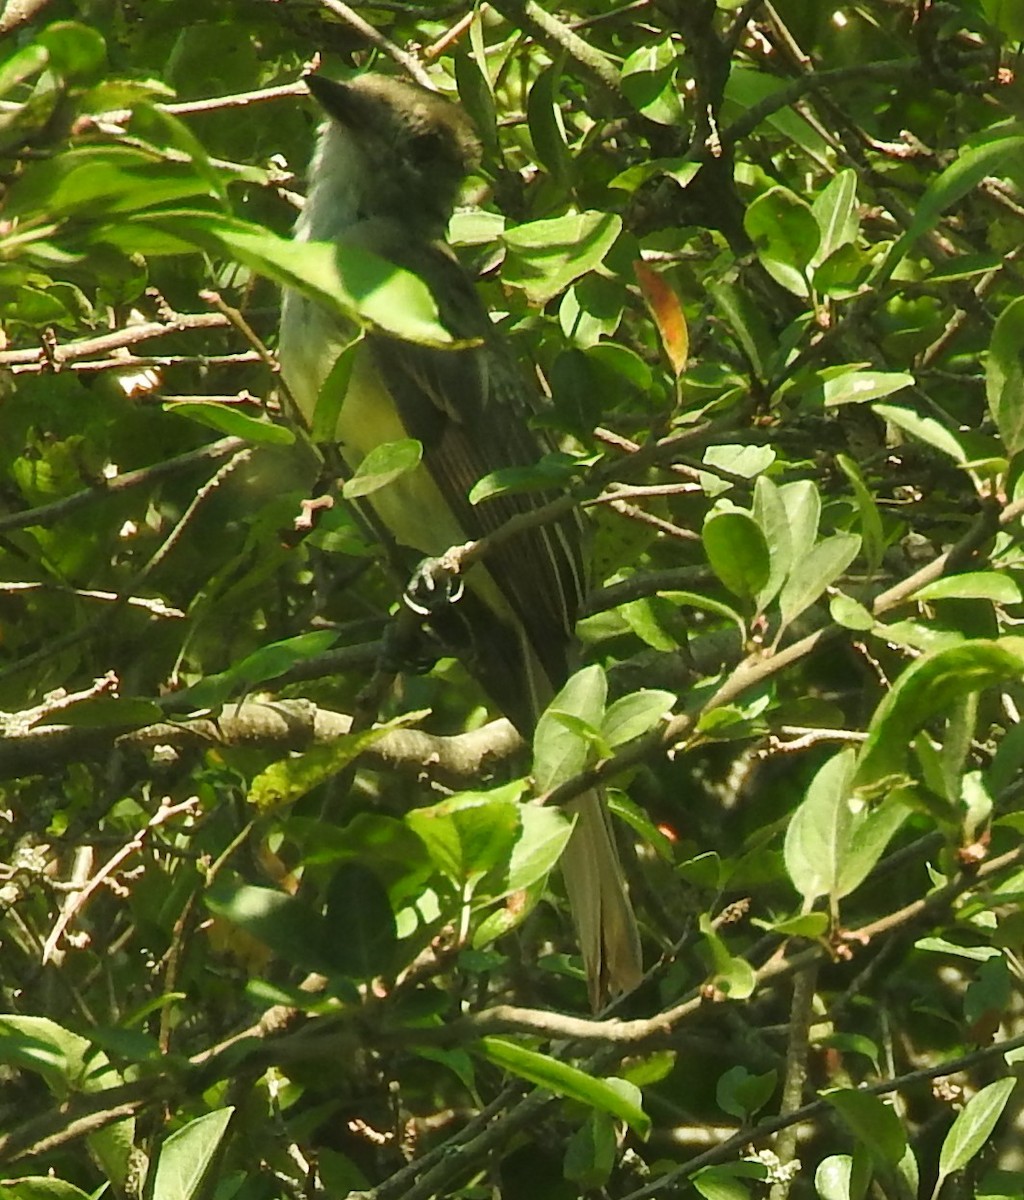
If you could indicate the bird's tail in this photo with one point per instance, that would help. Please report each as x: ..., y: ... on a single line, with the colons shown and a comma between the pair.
x: 601, y: 908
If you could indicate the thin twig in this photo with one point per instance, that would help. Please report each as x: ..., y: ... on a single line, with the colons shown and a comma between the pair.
x: 152, y: 605
x: 49, y: 514
x: 202, y: 495
x: 128, y: 335
x: 68, y: 912
x: 801, y: 1013
x: 406, y: 61
x: 528, y: 14
x: 131, y: 362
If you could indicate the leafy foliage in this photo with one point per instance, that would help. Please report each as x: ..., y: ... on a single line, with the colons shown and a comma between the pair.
x: 276, y: 922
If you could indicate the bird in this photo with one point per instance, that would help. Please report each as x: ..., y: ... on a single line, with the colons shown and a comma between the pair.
x: 389, y: 162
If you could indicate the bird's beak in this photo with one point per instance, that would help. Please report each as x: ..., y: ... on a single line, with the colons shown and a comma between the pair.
x: 338, y: 100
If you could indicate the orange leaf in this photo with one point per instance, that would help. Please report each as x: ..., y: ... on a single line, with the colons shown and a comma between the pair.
x: 667, y: 313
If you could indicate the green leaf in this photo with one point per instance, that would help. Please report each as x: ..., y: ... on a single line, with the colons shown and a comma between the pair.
x: 679, y: 168
x: 813, y: 573
x: 345, y: 279
x: 632, y: 715
x: 338, y: 1175
x: 553, y: 471
x: 833, y: 840
x: 614, y: 1097
x: 266, y: 663
x: 785, y: 235
x: 990, y: 991
x: 544, y: 835
x: 286, y: 781
x: 972, y: 585
x: 746, y: 322
x: 850, y: 613
x: 102, y: 180
x: 227, y: 418
x: 808, y: 925
x: 871, y: 835
x: 819, y: 833
x: 544, y: 119
x: 747, y: 461
x: 470, y: 835
x: 718, y: 1183
x: 1004, y: 375
x: 705, y: 604
x: 398, y: 855
x: 620, y: 806
x: 76, y: 51
x: 959, y: 178
x: 856, y: 387
x: 703, y: 871
x: 546, y: 256
x: 925, y: 429
x: 737, y: 551
x: 383, y: 465
x: 928, y: 686
x: 331, y: 396
x: 803, y: 511
x: 648, y: 83
x: 187, y: 1155
x: 646, y: 618
x: 1000, y: 1185
x: 290, y: 927
x: 873, y: 1122
x: 843, y: 274
x: 842, y: 1177
x: 1007, y: 16
x: 23, y: 63
x: 108, y: 711
x: 732, y: 975
x: 853, y: 1043
x: 591, y: 1152
x: 41, y: 1045
x: 360, y: 931
x: 741, y: 1094
x: 871, y: 532
x: 964, y: 266
x: 650, y: 1068
x: 476, y: 94
x: 69, y: 1063
x: 40, y: 1187
x: 940, y: 945
x: 164, y: 128
x: 973, y: 1127
x: 770, y: 512
x: 559, y: 752
x: 626, y: 364
x: 835, y: 210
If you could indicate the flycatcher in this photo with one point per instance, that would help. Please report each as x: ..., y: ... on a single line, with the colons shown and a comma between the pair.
x: 385, y: 175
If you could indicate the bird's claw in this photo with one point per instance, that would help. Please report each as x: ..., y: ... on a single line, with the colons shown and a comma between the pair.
x: 433, y: 587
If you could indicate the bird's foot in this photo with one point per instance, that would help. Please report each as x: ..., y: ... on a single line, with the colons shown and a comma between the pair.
x: 435, y: 584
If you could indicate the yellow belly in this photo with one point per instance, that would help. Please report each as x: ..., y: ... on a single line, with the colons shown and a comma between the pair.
x: 411, y: 506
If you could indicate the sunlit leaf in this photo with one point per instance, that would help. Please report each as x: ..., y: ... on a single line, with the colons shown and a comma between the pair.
x: 383, y: 465
x: 188, y: 1154
x: 1004, y: 375
x: 872, y: 1121
x: 737, y: 551
x: 974, y: 1126
x: 608, y: 1096
x: 668, y: 315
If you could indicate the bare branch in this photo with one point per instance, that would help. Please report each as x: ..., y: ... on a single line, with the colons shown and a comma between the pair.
x: 49, y: 514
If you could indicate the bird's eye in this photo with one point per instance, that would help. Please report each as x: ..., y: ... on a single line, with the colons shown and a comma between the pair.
x: 426, y: 148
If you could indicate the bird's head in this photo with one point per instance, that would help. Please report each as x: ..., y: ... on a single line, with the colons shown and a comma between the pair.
x: 404, y: 151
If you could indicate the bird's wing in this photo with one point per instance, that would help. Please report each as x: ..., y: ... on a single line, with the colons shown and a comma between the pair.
x: 470, y: 410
